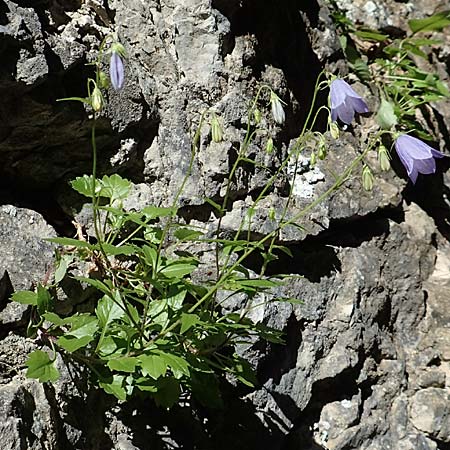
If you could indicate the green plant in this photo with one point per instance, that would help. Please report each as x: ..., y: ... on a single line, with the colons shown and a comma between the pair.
x: 396, y: 66
x: 156, y: 324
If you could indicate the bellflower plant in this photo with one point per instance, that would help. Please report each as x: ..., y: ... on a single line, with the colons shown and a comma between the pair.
x: 416, y: 156
x: 345, y: 102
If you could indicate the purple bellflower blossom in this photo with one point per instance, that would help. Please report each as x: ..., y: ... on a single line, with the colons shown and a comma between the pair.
x: 416, y: 156
x: 345, y: 102
x: 116, y: 71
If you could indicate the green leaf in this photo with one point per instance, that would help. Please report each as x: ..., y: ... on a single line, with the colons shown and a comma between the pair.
x: 44, y: 300
x: 177, y: 269
x: 40, y: 366
x: 293, y: 301
x: 371, y: 35
x: 178, y: 365
x: 259, y: 283
x: 153, y: 365
x: 442, y: 88
x: 63, y: 265
x: 82, y: 332
x: 54, y: 318
x: 158, y: 311
x: 187, y: 234
x: 206, y: 389
x: 155, y: 212
x: 77, y: 99
x: 72, y: 344
x: 123, y: 364
x: 115, y: 386
x: 115, y: 187
x: 168, y: 392
x: 214, y: 204
x: 102, y: 287
x: 284, y: 249
x: 343, y: 40
x: 361, y: 69
x: 69, y: 242
x: 436, y: 22
x: 175, y: 296
x: 146, y: 385
x: 188, y: 321
x: 151, y: 257
x: 114, y: 250
x: 83, y: 185
x: 108, y: 310
x: 269, y: 334
x: 25, y: 297
x: 244, y: 372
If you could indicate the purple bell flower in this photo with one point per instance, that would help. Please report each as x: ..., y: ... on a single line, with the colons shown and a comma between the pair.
x: 345, y: 101
x: 116, y: 71
x: 416, y: 156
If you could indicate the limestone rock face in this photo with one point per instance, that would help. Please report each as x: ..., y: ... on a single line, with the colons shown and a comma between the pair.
x: 367, y: 357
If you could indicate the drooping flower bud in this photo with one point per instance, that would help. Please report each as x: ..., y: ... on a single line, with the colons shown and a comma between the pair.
x: 367, y: 178
x: 386, y: 117
x: 383, y: 158
x: 313, y: 159
x: 269, y: 145
x: 97, y: 100
x: 216, y: 129
x: 257, y: 116
x: 277, y: 108
x: 334, y: 130
x: 322, y: 149
x: 103, y: 80
x: 272, y: 214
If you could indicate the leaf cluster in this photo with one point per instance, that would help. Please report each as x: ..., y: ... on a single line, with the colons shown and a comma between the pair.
x: 156, y: 329
x: 396, y: 65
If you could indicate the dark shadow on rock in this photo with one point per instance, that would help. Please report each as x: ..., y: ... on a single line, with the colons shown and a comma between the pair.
x: 337, y: 388
x: 80, y: 423
x: 193, y: 427
x: 317, y: 256
x: 281, y: 357
x: 313, y: 260
x: 281, y: 33
x: 3, y: 11
x: 432, y: 195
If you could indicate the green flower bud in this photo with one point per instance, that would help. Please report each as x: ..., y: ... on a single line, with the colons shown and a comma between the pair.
x: 272, y: 215
x: 269, y: 145
x: 97, y: 100
x: 117, y: 47
x: 103, y: 80
x: 383, y: 158
x: 367, y: 178
x: 313, y: 159
x: 334, y: 130
x: 216, y: 130
x: 322, y: 150
x: 386, y: 117
x: 257, y: 116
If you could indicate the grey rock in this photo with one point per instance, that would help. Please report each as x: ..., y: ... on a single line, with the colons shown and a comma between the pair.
x: 430, y: 412
x: 24, y: 254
